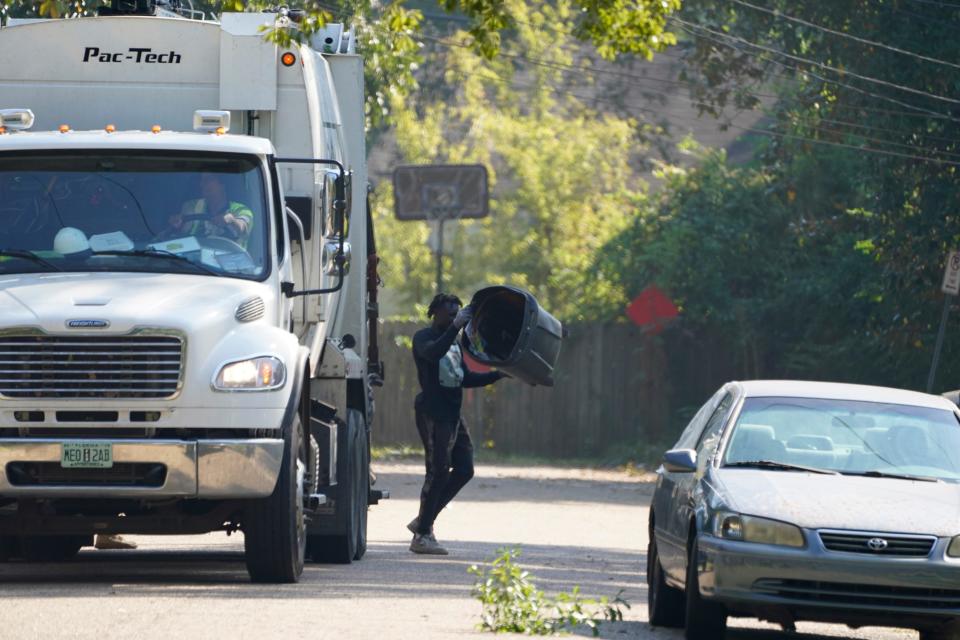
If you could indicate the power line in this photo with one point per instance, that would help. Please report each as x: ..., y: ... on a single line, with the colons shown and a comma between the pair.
x: 815, y: 63
x: 939, y: 3
x: 916, y: 111
x: 864, y: 148
x: 873, y: 43
x: 765, y: 132
x: 564, y: 67
x: 929, y: 112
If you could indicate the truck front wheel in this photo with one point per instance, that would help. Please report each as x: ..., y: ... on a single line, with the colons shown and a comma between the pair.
x: 352, y: 496
x: 274, y: 528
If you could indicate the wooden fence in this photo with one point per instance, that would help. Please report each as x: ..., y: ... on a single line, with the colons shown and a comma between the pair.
x: 611, y: 389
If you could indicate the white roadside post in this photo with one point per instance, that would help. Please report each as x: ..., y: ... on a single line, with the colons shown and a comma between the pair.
x: 950, y: 287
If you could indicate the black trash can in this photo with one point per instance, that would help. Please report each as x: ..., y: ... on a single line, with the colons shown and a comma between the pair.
x: 512, y: 332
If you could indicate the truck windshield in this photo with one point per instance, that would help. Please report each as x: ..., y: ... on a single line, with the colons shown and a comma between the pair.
x: 119, y: 211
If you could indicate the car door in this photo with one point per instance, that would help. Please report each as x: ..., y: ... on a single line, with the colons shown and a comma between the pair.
x: 686, y: 484
x: 670, y: 546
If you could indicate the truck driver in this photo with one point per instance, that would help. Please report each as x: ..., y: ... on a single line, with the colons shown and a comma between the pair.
x: 224, y: 218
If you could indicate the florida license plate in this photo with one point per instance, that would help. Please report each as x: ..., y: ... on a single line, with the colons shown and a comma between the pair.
x: 87, y: 455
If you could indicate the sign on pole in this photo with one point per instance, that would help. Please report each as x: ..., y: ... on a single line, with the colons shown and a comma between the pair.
x: 951, y: 287
x: 951, y: 275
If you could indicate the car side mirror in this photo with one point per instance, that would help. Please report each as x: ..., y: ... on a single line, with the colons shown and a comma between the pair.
x: 680, y: 460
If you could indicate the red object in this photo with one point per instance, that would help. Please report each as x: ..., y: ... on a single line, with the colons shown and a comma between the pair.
x: 473, y: 364
x: 652, y: 310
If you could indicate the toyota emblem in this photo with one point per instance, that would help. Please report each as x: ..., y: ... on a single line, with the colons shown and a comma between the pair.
x: 877, y: 544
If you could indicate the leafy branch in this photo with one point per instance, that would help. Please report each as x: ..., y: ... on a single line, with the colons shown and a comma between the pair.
x: 513, y: 604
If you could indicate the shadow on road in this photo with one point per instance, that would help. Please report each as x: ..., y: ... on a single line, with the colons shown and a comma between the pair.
x: 388, y: 571
x: 489, y: 488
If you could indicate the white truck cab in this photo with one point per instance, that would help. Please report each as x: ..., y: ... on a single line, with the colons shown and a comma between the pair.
x: 188, y: 339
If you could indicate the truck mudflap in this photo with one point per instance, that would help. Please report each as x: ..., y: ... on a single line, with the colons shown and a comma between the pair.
x: 221, y: 469
x: 512, y: 332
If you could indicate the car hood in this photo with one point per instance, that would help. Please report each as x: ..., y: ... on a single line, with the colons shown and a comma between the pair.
x: 125, y: 300
x: 818, y: 501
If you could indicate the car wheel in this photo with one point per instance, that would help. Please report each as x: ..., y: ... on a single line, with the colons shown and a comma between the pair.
x: 274, y: 528
x: 705, y: 620
x: 664, y: 603
x: 948, y: 631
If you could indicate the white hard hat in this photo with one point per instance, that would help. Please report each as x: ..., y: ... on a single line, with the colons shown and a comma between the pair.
x: 70, y: 240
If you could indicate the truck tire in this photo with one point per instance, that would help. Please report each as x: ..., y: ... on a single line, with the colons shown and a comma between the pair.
x: 8, y: 548
x: 363, y: 499
x: 51, y: 548
x: 352, y: 496
x: 274, y: 528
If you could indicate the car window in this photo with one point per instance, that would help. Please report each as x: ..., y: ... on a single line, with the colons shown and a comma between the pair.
x: 848, y: 436
x: 691, y: 434
x: 711, y: 433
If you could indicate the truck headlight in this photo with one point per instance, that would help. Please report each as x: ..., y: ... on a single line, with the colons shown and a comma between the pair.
x: 256, y: 374
x: 954, y: 549
x: 734, y: 526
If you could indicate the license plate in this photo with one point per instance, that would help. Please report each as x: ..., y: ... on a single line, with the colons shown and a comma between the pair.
x: 87, y: 455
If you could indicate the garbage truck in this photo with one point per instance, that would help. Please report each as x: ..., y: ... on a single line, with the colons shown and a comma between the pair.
x: 188, y: 274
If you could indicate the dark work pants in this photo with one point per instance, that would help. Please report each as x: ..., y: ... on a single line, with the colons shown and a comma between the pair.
x: 448, y: 452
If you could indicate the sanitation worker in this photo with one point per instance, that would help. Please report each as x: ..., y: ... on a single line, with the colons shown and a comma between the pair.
x: 214, y: 214
x: 447, y: 448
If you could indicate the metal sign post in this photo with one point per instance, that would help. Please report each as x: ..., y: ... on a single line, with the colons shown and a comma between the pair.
x: 950, y: 288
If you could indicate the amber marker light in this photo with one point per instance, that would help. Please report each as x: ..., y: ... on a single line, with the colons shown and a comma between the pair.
x: 155, y: 129
x: 220, y: 131
x: 64, y: 128
x: 3, y: 130
x: 110, y: 128
x: 288, y: 59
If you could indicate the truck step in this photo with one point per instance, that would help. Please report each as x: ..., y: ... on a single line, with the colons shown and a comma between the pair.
x: 376, y: 495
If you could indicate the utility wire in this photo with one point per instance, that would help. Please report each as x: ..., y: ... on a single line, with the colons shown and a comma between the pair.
x: 938, y: 3
x: 929, y: 112
x: 917, y: 111
x: 872, y: 43
x: 572, y: 68
x: 815, y: 63
x: 765, y: 132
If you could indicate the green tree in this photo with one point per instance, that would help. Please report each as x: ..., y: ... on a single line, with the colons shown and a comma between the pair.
x: 878, y: 78
x: 562, y: 176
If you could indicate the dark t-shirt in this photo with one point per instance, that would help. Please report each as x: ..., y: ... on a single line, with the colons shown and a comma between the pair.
x: 443, y: 374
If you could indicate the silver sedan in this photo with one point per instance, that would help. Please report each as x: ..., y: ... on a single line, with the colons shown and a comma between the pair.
x: 816, y: 501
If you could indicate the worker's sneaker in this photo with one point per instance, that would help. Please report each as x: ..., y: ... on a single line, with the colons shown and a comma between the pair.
x: 426, y: 544
x: 104, y: 541
x: 413, y: 525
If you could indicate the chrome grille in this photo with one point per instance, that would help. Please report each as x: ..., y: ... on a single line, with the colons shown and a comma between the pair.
x: 870, y: 596
x: 889, y: 544
x: 128, y: 366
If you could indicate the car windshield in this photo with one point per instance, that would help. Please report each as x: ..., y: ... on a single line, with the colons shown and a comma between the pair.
x: 118, y: 211
x: 856, y: 438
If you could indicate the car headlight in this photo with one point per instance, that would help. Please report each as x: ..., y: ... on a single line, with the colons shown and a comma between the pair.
x: 256, y: 374
x: 954, y: 549
x: 734, y: 526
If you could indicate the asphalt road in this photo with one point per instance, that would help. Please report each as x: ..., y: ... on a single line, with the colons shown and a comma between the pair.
x: 573, y: 527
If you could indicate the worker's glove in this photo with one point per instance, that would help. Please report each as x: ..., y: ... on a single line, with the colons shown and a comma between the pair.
x: 463, y: 317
